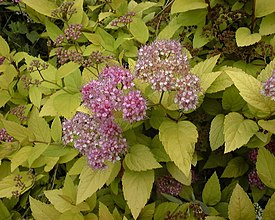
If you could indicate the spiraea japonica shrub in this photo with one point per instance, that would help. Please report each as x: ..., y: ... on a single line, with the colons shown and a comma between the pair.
x: 137, y: 109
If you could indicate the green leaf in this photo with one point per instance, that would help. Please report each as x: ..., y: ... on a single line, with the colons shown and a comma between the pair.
x: 53, y: 30
x: 66, y: 69
x: 45, y: 7
x: 164, y: 208
x: 187, y: 5
x: 5, y: 214
x: 170, y: 29
x: 235, y: 168
x: 231, y: 100
x: 221, y: 83
x: 77, y: 17
x: 240, y: 207
x: 35, y: 96
x: 20, y: 157
x: 140, y: 158
x: 205, y: 66
x: 78, y: 166
x: 211, y: 193
x: 199, y: 40
x: 39, y: 127
x: 73, y: 81
x: 56, y: 129
x: 137, y: 187
x: 36, y: 152
x: 69, y: 189
x: 178, y: 174
x: 139, y: 30
x: 4, y: 97
x: 48, y: 108
x: 91, y: 180
x: 147, y: 212
x: 72, y: 215
x: 104, y: 212
x: 216, y: 136
x: 41, y: 210
x: 4, y: 47
x: 237, y: 131
x: 158, y: 150
x: 269, y: 211
x: 264, y: 7
x: 66, y: 104
x: 265, y: 167
x: 245, y: 38
x: 267, y: 71
x: 267, y: 25
x: 268, y: 125
x: 17, y: 131
x: 179, y: 141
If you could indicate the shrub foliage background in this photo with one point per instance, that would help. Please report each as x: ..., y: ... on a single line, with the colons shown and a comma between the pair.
x: 215, y: 161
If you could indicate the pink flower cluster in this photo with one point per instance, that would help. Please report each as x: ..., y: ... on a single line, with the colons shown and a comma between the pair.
x: 164, y: 65
x: 98, y: 136
x: 110, y: 93
x: 254, y: 180
x: 269, y: 87
x: 4, y: 136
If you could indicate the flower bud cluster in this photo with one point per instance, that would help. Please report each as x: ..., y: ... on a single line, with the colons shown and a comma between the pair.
x: 19, y: 112
x: 99, y: 140
x: 197, y: 211
x: 37, y: 65
x: 110, y: 93
x: 164, y: 65
x: 167, y: 184
x: 259, y: 211
x: 64, y: 10
x: 4, y: 136
x: 254, y: 180
x: 269, y: 87
x: 125, y: 19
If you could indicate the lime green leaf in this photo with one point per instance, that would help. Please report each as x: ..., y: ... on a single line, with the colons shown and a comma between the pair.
x: 48, y: 109
x: 265, y: 167
x: 104, y: 212
x: 66, y: 69
x: 69, y: 189
x: 91, y: 180
x: 139, y: 30
x: 20, y: 157
x: 18, y: 131
x: 199, y: 40
x: 53, y: 30
x: 56, y: 129
x: 178, y: 174
x: 147, y: 212
x: 72, y: 215
x: 39, y: 127
x: 137, y: 188
x: 78, y: 166
x: 187, y: 5
x: 104, y: 39
x: 264, y: 7
x: 35, y: 96
x: 4, y: 97
x: 179, y: 141
x: 205, y: 66
x: 5, y: 214
x: 45, y: 7
x: 7, y: 184
x: 235, y: 168
x: 36, y: 152
x: 164, y: 208
x: 209, y: 196
x: 267, y: 25
x: 237, y: 131
x: 240, y: 207
x: 169, y: 29
x: 268, y: 125
x: 76, y: 18
x: 73, y: 81
x: 269, y: 211
x: 216, y: 136
x: 245, y: 38
x: 66, y: 104
x: 267, y: 71
x: 158, y: 150
x: 231, y: 100
x: 41, y: 210
x: 4, y: 47
x: 221, y: 82
x: 140, y: 158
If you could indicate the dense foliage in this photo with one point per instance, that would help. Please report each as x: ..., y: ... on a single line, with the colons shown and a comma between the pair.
x: 137, y: 109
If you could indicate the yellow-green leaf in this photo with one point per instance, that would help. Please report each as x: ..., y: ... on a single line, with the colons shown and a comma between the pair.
x: 268, y: 125
x: 36, y: 152
x: 179, y: 141
x: 265, y: 167
x: 187, y: 5
x: 222, y: 82
x: 267, y: 25
x: 91, y: 180
x: 235, y: 168
x: 140, y: 158
x: 178, y: 174
x: 56, y: 129
x: 245, y: 38
x: 66, y: 69
x: 20, y: 157
x: 237, y: 131
x: 41, y: 210
x: 4, y: 97
x: 35, y: 96
x: 216, y: 136
x: 240, y: 207
x: 209, y: 196
x: 104, y: 212
x: 139, y: 30
x: 45, y: 7
x: 137, y: 187
x: 4, y: 47
x: 205, y: 66
x: 264, y: 7
x: 269, y: 211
